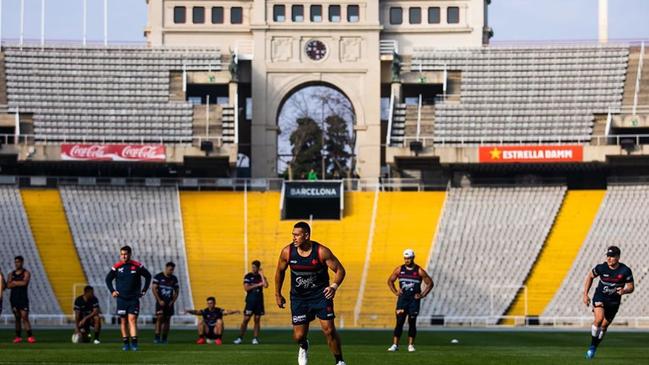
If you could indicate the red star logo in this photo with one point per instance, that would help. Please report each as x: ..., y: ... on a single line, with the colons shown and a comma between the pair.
x: 314, y: 262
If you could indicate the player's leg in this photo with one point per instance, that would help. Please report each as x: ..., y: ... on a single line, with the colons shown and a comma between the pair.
x: 17, y: 323
x: 610, y: 310
x: 596, y: 329
x: 159, y: 319
x: 96, y: 323
x: 132, y: 328
x: 412, y: 332
x: 300, y: 335
x: 257, y: 326
x: 123, y: 325
x: 218, y: 331
x: 244, y: 327
x: 398, y: 329
x: 333, y: 339
x: 24, y: 316
x: 166, y: 326
x: 201, y: 332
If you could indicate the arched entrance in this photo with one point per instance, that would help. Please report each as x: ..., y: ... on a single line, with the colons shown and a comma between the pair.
x: 316, y: 136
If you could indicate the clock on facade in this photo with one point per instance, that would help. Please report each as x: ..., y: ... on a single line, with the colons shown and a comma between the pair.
x: 315, y: 50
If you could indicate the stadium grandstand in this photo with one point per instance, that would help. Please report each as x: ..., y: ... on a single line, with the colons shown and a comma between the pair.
x: 507, y: 168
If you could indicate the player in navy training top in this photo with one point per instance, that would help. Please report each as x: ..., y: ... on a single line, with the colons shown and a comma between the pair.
x: 311, y: 294
x: 211, y: 324
x: 87, y: 314
x: 410, y: 276
x: 254, y: 283
x: 165, y: 290
x: 128, y: 290
x: 18, y: 283
x: 615, y: 280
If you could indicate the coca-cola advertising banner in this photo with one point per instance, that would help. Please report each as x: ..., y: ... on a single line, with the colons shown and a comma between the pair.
x: 113, y: 152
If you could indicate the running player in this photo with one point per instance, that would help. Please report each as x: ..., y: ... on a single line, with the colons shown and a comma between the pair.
x: 128, y: 290
x: 615, y: 280
x: 311, y: 294
x: 253, y: 283
x: 87, y: 314
x: 210, y: 326
x: 18, y: 284
x: 410, y: 276
x: 165, y: 290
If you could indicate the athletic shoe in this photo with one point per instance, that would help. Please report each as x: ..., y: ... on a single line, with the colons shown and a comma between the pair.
x: 238, y: 341
x: 218, y: 342
x: 393, y: 348
x: 96, y: 342
x: 31, y: 339
x: 126, y: 347
x: 341, y: 363
x: 18, y: 340
x: 411, y: 348
x: 133, y: 347
x: 255, y: 341
x: 200, y: 341
x: 591, y: 352
x: 303, y: 355
x: 156, y: 341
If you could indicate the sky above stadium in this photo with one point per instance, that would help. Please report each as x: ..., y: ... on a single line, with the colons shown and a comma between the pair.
x: 512, y: 20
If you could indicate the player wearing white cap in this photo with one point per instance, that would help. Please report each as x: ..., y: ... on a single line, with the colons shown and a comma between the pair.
x: 410, y: 276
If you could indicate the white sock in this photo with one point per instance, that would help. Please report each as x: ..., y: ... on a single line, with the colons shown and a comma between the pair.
x: 595, y: 331
x: 601, y: 333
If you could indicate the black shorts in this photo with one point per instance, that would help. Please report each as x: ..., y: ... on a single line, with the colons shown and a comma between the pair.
x: 305, y: 310
x: 19, y: 305
x: 610, y: 308
x: 166, y: 310
x: 211, y: 332
x: 127, y: 306
x: 254, y: 307
x: 409, y: 306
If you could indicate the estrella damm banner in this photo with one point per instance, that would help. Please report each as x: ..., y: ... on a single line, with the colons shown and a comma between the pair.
x: 531, y: 154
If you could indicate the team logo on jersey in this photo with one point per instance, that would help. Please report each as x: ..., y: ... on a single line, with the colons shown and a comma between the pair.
x: 314, y: 262
x: 619, y: 276
x: 121, y: 269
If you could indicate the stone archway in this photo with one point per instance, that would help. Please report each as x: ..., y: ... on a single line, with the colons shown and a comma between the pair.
x: 324, y: 109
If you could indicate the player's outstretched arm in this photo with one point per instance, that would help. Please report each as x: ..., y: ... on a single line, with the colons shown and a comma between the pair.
x: 393, y: 277
x: 428, y: 281
x: 195, y: 312
x: 587, y: 284
x: 334, y: 265
x: 282, y: 265
x: 229, y: 312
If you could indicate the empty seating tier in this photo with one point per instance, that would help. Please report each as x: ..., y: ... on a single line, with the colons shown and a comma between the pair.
x: 16, y: 239
x: 488, y: 241
x: 104, y: 219
x: 520, y: 95
x: 107, y: 94
x: 621, y: 221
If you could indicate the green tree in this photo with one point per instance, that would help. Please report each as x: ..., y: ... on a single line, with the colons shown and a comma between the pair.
x: 306, y: 147
x: 338, y: 147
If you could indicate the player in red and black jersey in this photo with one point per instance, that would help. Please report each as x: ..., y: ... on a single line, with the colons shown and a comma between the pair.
x: 165, y: 290
x: 128, y: 290
x: 311, y: 294
x: 615, y: 280
x: 18, y: 284
x: 410, y: 276
x: 211, y: 324
x: 87, y: 314
x: 253, y: 283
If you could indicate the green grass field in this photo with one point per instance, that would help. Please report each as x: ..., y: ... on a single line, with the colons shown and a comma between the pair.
x: 360, y: 347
